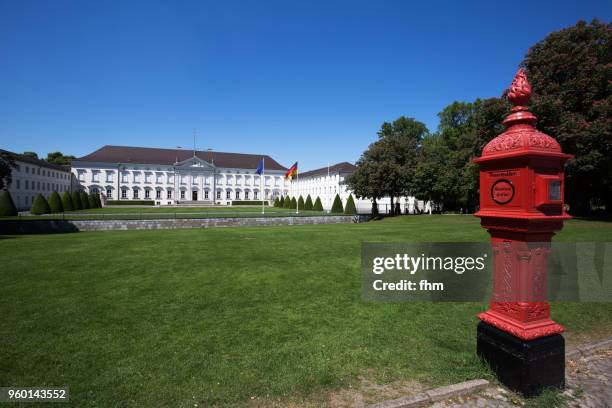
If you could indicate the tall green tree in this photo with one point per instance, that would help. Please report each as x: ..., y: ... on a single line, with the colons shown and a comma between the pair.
x: 287, y: 202
x: 32, y: 155
x: 318, y: 206
x: 59, y: 158
x: 7, y: 164
x: 445, y: 173
x: 300, y: 203
x: 569, y: 72
x: 386, y: 168
x: 281, y: 202
x: 293, y: 203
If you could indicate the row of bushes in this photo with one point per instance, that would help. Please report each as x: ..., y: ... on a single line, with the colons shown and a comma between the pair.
x: 337, y: 207
x: 56, y: 204
x: 249, y: 202
x: 130, y: 202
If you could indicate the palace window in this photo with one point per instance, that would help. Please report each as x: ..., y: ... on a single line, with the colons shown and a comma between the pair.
x: 255, y: 195
x: 228, y: 195
x: 147, y: 193
x: 218, y: 195
x: 246, y: 195
x: 182, y: 194
x: 124, y: 177
x: 124, y: 193
x: 169, y: 194
x: 81, y: 175
x: 237, y: 195
x: 109, y: 176
x: 109, y: 193
x: 94, y: 175
x: 135, y: 193
x: 158, y: 194
x: 136, y: 175
x: 206, y: 194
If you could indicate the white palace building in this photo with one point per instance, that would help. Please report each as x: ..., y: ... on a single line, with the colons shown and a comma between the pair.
x: 178, y: 176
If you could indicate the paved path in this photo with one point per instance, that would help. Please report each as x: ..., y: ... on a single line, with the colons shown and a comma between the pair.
x: 588, y: 380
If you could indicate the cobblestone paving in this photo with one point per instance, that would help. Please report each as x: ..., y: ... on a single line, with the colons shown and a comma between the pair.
x: 588, y: 380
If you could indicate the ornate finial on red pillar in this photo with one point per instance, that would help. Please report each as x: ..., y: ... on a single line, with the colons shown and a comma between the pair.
x: 520, y: 94
x: 520, y: 90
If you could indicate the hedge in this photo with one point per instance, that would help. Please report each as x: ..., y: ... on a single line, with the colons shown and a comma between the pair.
x: 350, y: 206
x: 84, y: 200
x: 239, y: 202
x: 67, y: 202
x: 7, y: 205
x: 130, y: 202
x: 337, y: 207
x: 55, y: 203
x: 76, y: 201
x: 317, y: 205
x: 300, y: 203
x: 308, y: 204
x: 40, y: 206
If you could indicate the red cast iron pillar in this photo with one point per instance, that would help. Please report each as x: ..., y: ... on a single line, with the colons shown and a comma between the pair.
x: 521, y: 206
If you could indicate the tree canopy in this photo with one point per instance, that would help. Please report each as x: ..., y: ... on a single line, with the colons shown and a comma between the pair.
x: 59, y: 158
x: 569, y: 72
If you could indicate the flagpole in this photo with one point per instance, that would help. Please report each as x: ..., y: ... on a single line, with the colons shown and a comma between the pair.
x: 263, y: 172
x: 297, y: 175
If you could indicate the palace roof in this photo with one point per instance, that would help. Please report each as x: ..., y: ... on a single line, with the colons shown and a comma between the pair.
x: 343, y: 167
x: 149, y: 155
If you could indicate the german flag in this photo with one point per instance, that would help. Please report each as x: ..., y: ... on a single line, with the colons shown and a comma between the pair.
x: 291, y: 172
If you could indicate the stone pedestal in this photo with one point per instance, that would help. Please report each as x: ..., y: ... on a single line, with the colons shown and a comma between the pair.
x: 524, y: 366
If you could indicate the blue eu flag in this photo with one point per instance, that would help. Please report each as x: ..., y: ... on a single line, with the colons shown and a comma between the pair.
x: 260, y: 167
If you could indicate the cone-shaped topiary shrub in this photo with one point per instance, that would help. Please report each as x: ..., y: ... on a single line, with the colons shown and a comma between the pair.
x: 55, y: 203
x: 281, y: 202
x: 317, y: 205
x: 67, y: 201
x: 40, y: 206
x: 7, y: 205
x: 337, y: 207
x: 76, y: 201
x: 98, y: 201
x: 287, y: 202
x: 300, y: 203
x: 308, y: 203
x: 350, y: 206
x: 276, y: 202
x: 92, y: 200
x: 293, y: 203
x: 84, y: 200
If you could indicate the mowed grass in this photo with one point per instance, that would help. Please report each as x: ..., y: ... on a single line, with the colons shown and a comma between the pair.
x: 128, y: 213
x: 218, y: 316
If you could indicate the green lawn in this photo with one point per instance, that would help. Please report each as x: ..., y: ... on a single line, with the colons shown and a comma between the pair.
x: 217, y: 316
x: 128, y: 212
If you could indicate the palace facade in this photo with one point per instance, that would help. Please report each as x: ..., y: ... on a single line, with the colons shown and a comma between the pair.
x: 32, y: 176
x: 177, y: 176
x: 172, y: 176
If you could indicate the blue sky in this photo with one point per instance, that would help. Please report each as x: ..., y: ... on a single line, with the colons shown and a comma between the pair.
x: 299, y: 80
